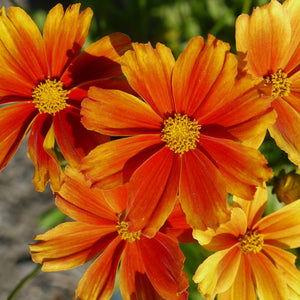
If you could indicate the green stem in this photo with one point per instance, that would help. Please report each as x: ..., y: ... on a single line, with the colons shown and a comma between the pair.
x: 23, y: 281
x: 246, y: 6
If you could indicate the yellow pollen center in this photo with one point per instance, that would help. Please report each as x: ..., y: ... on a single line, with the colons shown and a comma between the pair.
x: 251, y: 242
x: 127, y: 235
x: 280, y: 83
x: 180, y: 133
x: 50, y: 96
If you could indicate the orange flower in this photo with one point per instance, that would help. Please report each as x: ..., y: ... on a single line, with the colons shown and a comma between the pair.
x: 186, y: 136
x: 269, y: 48
x: 149, y: 269
x: 249, y: 257
x: 45, y: 79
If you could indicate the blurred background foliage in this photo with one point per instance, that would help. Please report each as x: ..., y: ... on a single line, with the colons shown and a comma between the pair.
x: 173, y: 23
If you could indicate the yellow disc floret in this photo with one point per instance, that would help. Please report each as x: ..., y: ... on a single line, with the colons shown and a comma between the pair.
x: 125, y: 234
x: 180, y: 133
x: 280, y: 83
x: 50, y: 96
x: 251, y: 242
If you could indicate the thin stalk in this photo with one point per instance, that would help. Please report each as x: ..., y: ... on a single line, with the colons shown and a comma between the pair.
x: 246, y: 6
x: 23, y: 281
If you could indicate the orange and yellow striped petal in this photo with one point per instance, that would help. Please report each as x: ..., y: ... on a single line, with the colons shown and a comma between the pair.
x: 99, y: 280
x: 70, y: 244
x: 148, y: 71
x: 202, y: 191
x: 112, y: 164
x: 64, y: 35
x: 117, y: 113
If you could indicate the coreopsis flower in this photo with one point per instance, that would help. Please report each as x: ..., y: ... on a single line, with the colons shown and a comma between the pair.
x: 250, y: 259
x: 43, y: 80
x: 149, y: 268
x: 185, y: 132
x: 268, y: 45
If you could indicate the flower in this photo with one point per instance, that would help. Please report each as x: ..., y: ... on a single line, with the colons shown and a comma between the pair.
x: 185, y: 136
x: 149, y: 268
x: 250, y: 258
x: 269, y: 49
x: 43, y: 80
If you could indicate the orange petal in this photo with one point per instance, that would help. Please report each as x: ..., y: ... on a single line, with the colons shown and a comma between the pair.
x: 99, y: 280
x: 112, y: 164
x: 243, y: 168
x: 101, y: 60
x: 203, y: 75
x: 202, y: 191
x: 46, y: 163
x: 269, y: 35
x: 70, y: 244
x: 152, y: 191
x: 133, y: 280
x: 286, y: 130
x: 64, y: 35
x: 243, y: 285
x: 18, y: 29
x: 255, y: 208
x: 163, y: 262
x: 226, y: 235
x: 116, y: 113
x: 282, y: 227
x: 218, y: 272
x: 285, y: 262
x: 269, y: 281
x: 149, y: 71
x: 82, y: 203
x: 74, y: 140
x: 15, y: 121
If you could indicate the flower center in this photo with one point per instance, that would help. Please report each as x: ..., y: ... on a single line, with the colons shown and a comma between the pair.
x: 50, y: 96
x: 280, y: 83
x: 127, y: 235
x: 251, y: 242
x: 180, y: 133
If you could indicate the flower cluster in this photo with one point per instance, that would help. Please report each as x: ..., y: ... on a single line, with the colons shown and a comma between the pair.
x: 185, y: 134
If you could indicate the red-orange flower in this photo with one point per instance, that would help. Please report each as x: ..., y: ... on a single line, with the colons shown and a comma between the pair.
x: 186, y: 135
x: 250, y: 259
x: 149, y: 269
x: 269, y: 48
x: 43, y: 79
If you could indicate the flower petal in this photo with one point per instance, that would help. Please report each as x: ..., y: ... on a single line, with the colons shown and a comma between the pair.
x: 82, y: 203
x: 112, y: 164
x: 149, y: 71
x: 286, y: 130
x: 134, y: 282
x: 64, y: 35
x: 243, y: 286
x: 285, y: 262
x: 269, y: 281
x: 15, y: 121
x: 70, y: 244
x: 243, y: 168
x: 282, y: 227
x: 116, y: 113
x: 202, y: 191
x: 46, y: 163
x: 74, y: 140
x: 98, y: 281
x: 203, y: 75
x: 100, y: 60
x: 218, y: 272
x: 18, y: 29
x: 152, y: 191
x: 265, y: 39
x: 163, y: 262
